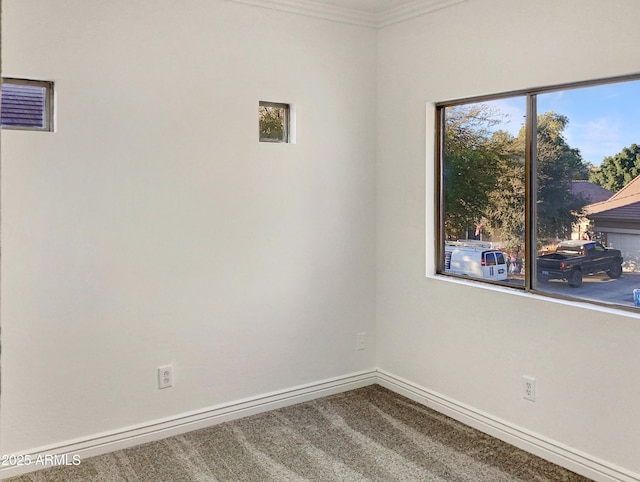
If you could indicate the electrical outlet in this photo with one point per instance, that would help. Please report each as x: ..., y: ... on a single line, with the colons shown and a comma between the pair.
x: 165, y: 377
x: 361, y: 339
x: 529, y: 388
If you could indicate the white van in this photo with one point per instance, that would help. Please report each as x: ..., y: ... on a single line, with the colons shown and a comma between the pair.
x: 475, y: 259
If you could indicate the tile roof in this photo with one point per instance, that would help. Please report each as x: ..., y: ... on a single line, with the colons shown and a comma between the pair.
x: 629, y: 212
x: 590, y: 191
x: 625, y: 204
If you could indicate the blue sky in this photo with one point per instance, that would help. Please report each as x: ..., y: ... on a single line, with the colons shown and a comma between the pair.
x: 603, y: 119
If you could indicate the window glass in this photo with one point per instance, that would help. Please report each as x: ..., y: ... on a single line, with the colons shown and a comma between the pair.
x: 563, y: 200
x: 483, y: 179
x: 490, y: 259
x: 588, y: 192
x: 26, y: 104
x: 273, y: 122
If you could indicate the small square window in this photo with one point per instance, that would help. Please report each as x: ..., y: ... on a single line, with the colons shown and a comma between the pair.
x: 273, y: 122
x: 27, y: 104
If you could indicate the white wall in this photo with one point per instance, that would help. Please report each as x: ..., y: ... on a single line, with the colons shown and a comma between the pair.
x: 153, y: 228
x: 467, y: 343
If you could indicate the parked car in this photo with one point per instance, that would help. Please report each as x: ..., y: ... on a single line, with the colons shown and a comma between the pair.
x: 475, y: 258
x: 576, y: 258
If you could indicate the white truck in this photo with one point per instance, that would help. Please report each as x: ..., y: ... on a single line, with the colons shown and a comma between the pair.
x: 475, y: 258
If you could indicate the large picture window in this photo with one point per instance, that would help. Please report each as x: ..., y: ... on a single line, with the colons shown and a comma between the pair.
x: 540, y: 190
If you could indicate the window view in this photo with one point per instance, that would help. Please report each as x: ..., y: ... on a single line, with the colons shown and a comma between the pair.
x: 26, y: 104
x: 273, y: 122
x: 582, y: 236
x: 483, y: 175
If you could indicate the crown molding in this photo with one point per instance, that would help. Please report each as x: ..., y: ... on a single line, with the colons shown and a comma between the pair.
x: 411, y: 10
x: 312, y: 8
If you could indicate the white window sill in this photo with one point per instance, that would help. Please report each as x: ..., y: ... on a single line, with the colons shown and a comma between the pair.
x: 614, y: 309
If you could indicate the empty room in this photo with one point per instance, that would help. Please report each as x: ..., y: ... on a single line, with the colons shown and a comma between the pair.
x: 222, y: 209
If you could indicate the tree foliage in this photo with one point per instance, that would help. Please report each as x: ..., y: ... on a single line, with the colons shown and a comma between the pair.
x: 484, y: 176
x: 470, y: 167
x: 558, y: 164
x: 505, y: 216
x: 271, y: 122
x: 618, y: 170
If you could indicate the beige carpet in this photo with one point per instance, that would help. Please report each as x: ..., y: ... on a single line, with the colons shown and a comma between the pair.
x: 365, y: 434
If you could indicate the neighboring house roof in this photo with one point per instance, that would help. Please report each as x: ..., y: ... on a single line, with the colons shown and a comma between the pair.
x: 590, y: 191
x: 625, y: 204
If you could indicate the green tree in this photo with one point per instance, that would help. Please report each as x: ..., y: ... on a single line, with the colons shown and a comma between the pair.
x: 484, y: 177
x: 271, y: 122
x: 505, y: 215
x: 557, y: 207
x: 618, y: 170
x: 470, y: 167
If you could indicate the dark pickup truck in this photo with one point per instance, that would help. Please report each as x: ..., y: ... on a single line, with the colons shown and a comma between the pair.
x: 573, y: 259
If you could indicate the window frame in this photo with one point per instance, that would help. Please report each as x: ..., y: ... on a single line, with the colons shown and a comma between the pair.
x: 530, y: 183
x: 286, y: 122
x: 48, y: 114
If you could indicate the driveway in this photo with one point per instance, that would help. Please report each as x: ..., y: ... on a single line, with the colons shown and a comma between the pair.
x: 598, y: 287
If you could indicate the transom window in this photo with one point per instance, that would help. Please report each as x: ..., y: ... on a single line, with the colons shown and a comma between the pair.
x: 550, y: 178
x: 273, y: 122
x: 27, y: 104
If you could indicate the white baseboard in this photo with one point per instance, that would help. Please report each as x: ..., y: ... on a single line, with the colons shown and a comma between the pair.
x: 555, y: 452
x: 545, y: 448
x: 159, y: 429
